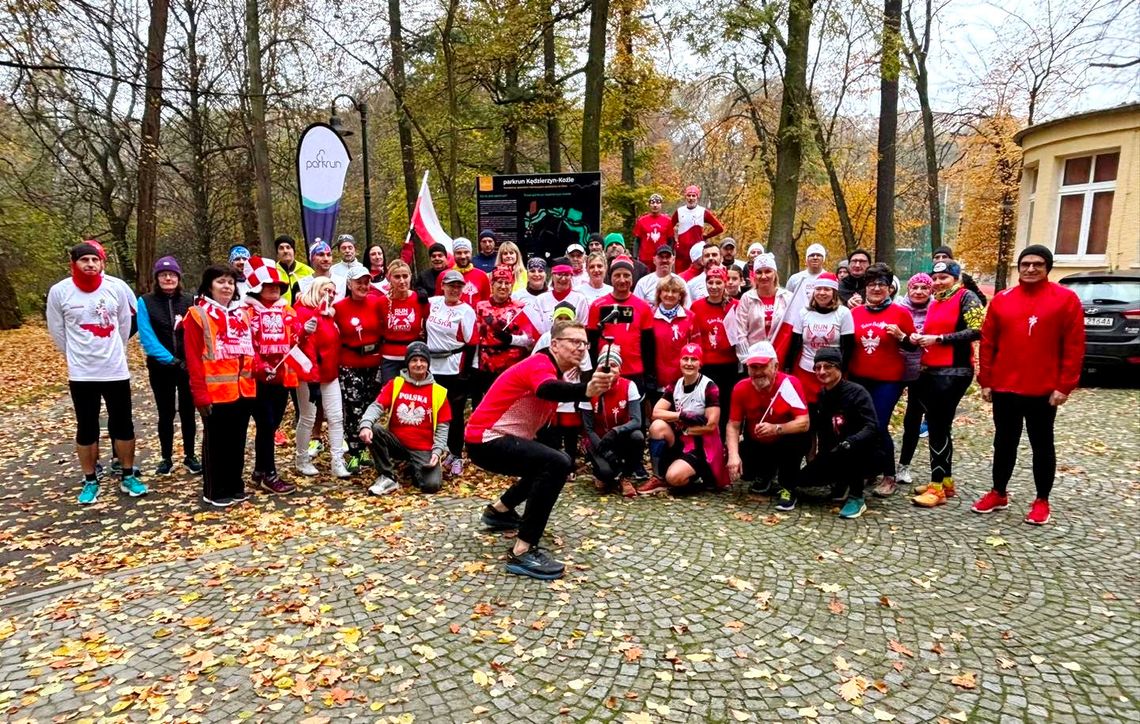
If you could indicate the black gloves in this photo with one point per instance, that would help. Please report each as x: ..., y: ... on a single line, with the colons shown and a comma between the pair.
x: 691, y: 419
x: 841, y: 448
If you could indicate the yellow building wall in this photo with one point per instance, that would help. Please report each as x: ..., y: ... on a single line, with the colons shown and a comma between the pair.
x: 1047, y: 150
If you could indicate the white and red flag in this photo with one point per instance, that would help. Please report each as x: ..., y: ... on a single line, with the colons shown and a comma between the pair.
x: 298, y: 360
x: 425, y: 222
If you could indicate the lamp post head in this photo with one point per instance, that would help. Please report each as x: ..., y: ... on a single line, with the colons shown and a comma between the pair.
x: 338, y: 126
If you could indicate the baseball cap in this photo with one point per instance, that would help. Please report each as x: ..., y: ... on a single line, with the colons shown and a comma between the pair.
x: 760, y: 353
x: 358, y: 272
x: 696, y: 251
x: 665, y: 250
x: 575, y: 247
x: 451, y: 277
x: 728, y: 241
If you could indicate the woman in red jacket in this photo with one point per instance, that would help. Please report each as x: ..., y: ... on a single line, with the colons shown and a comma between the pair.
x: 360, y: 318
x: 219, y: 352
x: 953, y: 324
x: 882, y: 333
x: 271, y: 323
x: 320, y: 341
x: 672, y: 330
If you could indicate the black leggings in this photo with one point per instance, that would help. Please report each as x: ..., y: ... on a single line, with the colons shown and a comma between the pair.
x: 457, y: 393
x: 541, y: 472
x: 912, y: 423
x: 1039, y: 418
x: 725, y: 376
x: 86, y: 397
x: 779, y: 459
x: 268, y: 411
x: 171, y: 387
x: 618, y: 457
x: 940, y: 395
x: 224, y: 432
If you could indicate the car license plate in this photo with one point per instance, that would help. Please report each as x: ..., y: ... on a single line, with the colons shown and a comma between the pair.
x: 1098, y: 321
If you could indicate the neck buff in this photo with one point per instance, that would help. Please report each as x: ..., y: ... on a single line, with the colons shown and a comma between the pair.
x: 943, y: 296
x: 880, y: 306
x: 669, y: 314
x: 85, y: 282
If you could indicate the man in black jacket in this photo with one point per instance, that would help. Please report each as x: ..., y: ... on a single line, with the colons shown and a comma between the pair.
x: 852, y: 286
x: 437, y: 264
x: 846, y: 430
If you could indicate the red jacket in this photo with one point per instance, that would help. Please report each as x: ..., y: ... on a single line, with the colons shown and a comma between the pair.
x: 1033, y: 340
x: 322, y: 346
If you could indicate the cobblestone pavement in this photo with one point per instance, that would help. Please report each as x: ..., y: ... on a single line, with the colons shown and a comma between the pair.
x: 707, y: 608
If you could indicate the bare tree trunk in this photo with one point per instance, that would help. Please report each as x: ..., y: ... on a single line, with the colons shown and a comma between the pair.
x: 1009, y: 172
x: 256, y: 91
x: 888, y: 135
x: 400, y: 88
x: 789, y: 143
x: 916, y: 55
x: 510, y: 147
x: 243, y: 191
x: 452, y: 121
x: 595, y: 85
x: 196, y: 133
x: 148, y: 147
x: 841, y: 209
x: 624, y: 70
x: 10, y: 314
x: 549, y: 76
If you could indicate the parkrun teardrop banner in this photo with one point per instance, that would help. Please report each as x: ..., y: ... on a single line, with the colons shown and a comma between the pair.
x: 322, y: 162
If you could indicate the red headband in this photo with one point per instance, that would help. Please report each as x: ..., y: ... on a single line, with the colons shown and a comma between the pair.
x: 693, y: 350
x: 503, y: 272
x: 717, y: 272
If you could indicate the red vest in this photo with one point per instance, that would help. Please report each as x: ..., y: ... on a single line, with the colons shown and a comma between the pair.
x: 612, y: 407
x: 942, y: 317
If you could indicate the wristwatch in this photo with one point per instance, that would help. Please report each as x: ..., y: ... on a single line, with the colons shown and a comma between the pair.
x: 779, y: 429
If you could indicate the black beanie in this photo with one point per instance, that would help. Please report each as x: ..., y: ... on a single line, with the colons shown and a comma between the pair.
x: 943, y: 250
x: 417, y: 349
x: 1038, y: 250
x: 84, y: 249
x: 436, y: 247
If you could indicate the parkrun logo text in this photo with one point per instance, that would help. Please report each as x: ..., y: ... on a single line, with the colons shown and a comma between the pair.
x: 320, y: 162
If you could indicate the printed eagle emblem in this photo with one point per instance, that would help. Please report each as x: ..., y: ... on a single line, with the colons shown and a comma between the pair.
x: 410, y: 414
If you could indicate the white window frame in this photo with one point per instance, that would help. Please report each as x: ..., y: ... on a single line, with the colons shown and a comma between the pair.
x: 1030, y: 173
x: 1087, y: 190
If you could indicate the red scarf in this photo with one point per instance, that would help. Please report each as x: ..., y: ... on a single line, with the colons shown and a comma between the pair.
x: 232, y: 336
x: 85, y: 282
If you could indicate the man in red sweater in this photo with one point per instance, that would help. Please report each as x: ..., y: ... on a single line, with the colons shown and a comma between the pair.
x: 652, y: 231
x: 1033, y: 342
x: 689, y: 223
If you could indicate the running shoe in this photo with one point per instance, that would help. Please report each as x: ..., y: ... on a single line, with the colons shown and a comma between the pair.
x: 923, y: 430
x: 762, y: 487
x: 218, y: 502
x: 193, y: 464
x: 352, y: 463
x: 315, y: 448
x: 1038, y: 513
x: 654, y: 486
x: 535, y: 563
x: 785, y: 501
x: 366, y: 458
x: 934, y: 496
x: 457, y: 465
x: 493, y: 519
x: 886, y: 487
x: 116, y: 466
x: 627, y: 489
x: 947, y: 488
x: 90, y: 493
x: 164, y: 467
x: 991, y: 501
x: 903, y: 475
x: 853, y: 508
x: 240, y: 497
x: 133, y: 487
x: 99, y: 471
x: 639, y: 474
x: 279, y: 439
x: 304, y: 465
x: 272, y: 483
x: 339, y: 469
x: 384, y: 485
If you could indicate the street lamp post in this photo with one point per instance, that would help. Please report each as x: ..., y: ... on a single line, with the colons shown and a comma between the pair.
x: 338, y: 126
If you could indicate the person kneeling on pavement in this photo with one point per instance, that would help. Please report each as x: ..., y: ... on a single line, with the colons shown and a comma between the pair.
x: 612, y: 421
x: 769, y: 408
x: 847, y: 433
x: 416, y: 428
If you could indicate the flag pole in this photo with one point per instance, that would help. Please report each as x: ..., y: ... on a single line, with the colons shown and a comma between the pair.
x: 412, y: 223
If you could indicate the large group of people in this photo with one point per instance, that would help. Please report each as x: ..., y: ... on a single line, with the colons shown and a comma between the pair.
x: 674, y: 353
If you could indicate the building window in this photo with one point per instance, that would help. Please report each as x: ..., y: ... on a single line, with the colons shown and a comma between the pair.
x: 1030, y: 184
x: 1088, y: 184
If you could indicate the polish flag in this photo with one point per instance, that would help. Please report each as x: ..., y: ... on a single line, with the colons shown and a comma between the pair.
x: 298, y: 360
x: 787, y: 393
x: 425, y: 222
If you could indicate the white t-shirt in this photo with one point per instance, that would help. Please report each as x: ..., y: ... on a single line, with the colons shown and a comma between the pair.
x: 591, y: 294
x: 697, y: 287
x: 580, y: 280
x: 529, y: 302
x: 821, y: 330
x: 584, y: 366
x: 448, y: 328
x: 646, y: 288
x: 92, y: 329
x: 545, y: 304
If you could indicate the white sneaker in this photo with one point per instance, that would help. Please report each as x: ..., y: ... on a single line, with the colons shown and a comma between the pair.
x: 903, y: 475
x: 315, y: 448
x: 338, y: 468
x: 384, y: 485
x: 304, y: 465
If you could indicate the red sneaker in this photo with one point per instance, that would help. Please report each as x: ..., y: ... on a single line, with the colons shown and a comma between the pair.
x: 655, y: 485
x: 990, y: 502
x: 279, y: 439
x: 1038, y: 512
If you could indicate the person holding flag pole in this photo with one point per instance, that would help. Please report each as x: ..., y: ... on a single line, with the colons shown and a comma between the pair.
x: 770, y: 410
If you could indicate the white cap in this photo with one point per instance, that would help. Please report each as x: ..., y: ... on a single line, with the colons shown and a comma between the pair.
x: 755, y: 246
x: 760, y: 353
x: 764, y: 261
x: 816, y: 249
x: 575, y: 247
x: 696, y: 251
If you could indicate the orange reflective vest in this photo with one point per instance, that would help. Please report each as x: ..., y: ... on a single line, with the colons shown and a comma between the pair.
x: 226, y: 379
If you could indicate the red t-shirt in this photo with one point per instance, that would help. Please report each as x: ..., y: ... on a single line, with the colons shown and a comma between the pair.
x: 877, y: 355
x: 670, y: 338
x: 405, y: 325
x: 748, y: 405
x: 410, y: 415
x: 477, y: 286
x: 510, y: 407
x: 652, y: 232
x: 708, y: 326
x: 361, y: 325
x: 632, y: 317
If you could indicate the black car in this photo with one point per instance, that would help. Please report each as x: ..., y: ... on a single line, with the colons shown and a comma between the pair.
x: 1111, y: 300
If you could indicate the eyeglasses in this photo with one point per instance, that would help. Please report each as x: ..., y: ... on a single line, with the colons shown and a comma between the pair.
x: 578, y: 343
x: 1031, y: 265
x: 878, y: 284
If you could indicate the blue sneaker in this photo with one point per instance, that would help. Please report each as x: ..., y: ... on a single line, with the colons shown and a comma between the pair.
x: 853, y: 508
x: 89, y: 494
x: 922, y: 429
x: 133, y: 487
